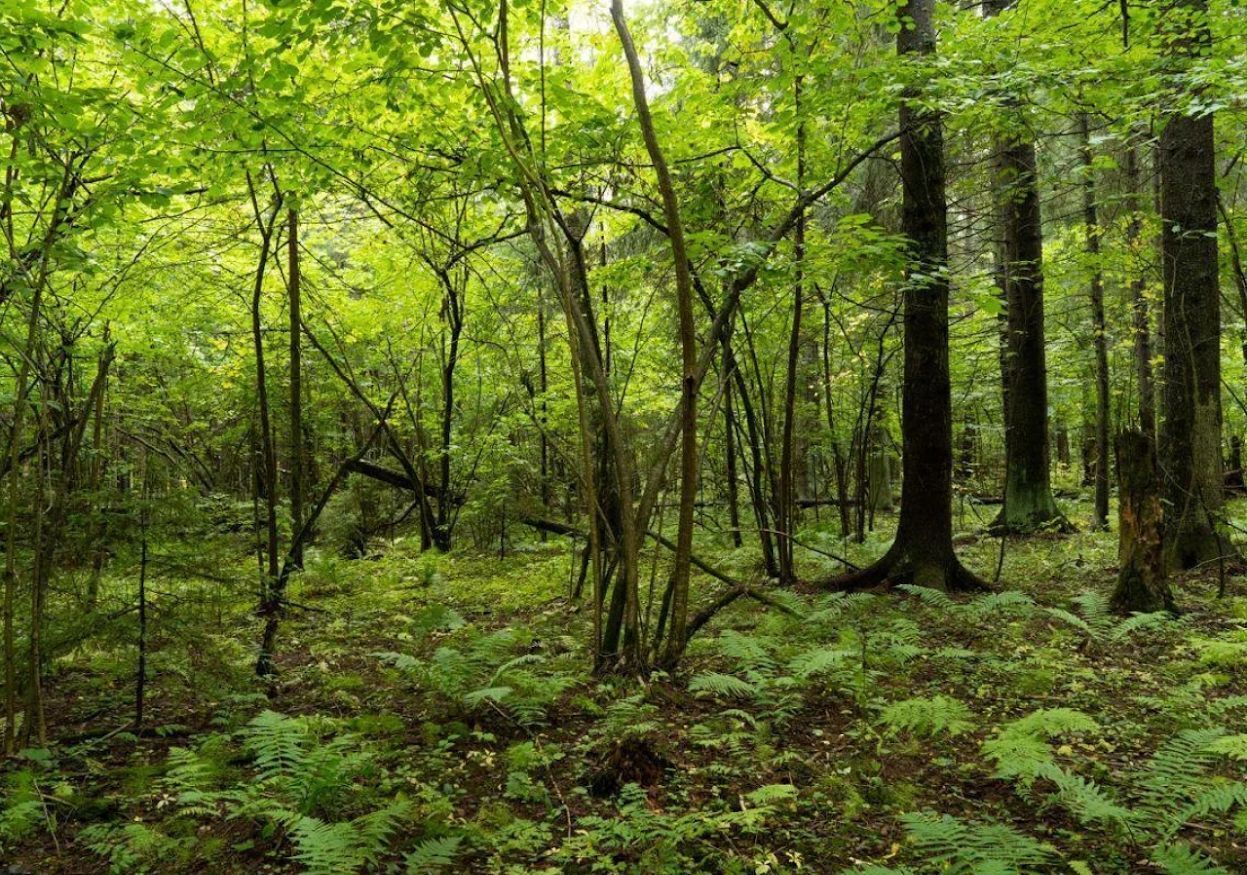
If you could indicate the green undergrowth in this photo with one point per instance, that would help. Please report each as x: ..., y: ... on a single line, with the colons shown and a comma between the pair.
x: 437, y: 714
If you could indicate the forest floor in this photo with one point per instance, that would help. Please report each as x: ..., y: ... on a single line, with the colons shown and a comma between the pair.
x: 438, y: 714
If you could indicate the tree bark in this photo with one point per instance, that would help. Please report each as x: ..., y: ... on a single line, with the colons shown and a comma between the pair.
x: 1141, y: 584
x: 297, y: 453
x: 1190, y: 440
x: 1098, y: 328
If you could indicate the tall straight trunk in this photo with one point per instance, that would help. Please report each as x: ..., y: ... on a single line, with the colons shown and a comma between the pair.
x: 140, y: 670
x: 838, y: 459
x: 923, y: 550
x: 268, y: 454
x: 1099, y: 339
x: 1028, y: 501
x: 99, y: 527
x: 786, y: 505
x: 297, y: 453
x: 729, y: 451
x: 35, y: 727
x: 452, y: 308
x: 1239, y: 273
x: 543, y: 386
x: 1140, y: 318
x: 1190, y: 439
x: 1139, y: 309
x: 756, y: 470
x: 688, y: 346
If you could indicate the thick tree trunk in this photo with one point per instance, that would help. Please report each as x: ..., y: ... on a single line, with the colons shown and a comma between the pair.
x: 923, y: 550
x: 1190, y: 437
x: 1138, y: 285
x: 1028, y: 500
x: 1141, y: 583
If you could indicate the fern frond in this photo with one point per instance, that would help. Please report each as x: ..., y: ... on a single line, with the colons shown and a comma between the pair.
x: 1232, y: 746
x: 1140, y: 622
x: 722, y: 685
x: 433, y: 855
x: 930, y: 596
x: 976, y: 847
x: 820, y: 660
x: 1181, y: 859
x: 1087, y: 800
x: 938, y: 715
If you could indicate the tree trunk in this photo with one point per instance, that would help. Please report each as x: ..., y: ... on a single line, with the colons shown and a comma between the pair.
x: 1141, y: 583
x: 1062, y: 445
x: 266, y: 467
x: 1028, y: 502
x: 297, y: 453
x: 729, y: 451
x: 879, y: 473
x: 1191, y: 428
x: 786, y: 506
x: 1138, y: 285
x: 688, y: 347
x: 923, y: 551
x: 1099, y: 519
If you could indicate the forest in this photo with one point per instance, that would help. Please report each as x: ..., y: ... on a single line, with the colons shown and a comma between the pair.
x: 751, y: 437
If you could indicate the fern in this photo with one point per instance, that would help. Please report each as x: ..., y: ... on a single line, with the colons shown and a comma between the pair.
x: 130, y: 849
x: 748, y: 652
x: 929, y: 596
x: 1232, y: 746
x: 724, y: 686
x: 346, y: 847
x: 1054, y: 723
x: 1220, y: 797
x: 1141, y: 622
x: 498, y: 670
x: 1000, y: 604
x: 1177, y: 771
x: 22, y: 807
x: 1086, y: 799
x: 1181, y: 859
x: 433, y: 855
x: 772, y: 794
x: 819, y: 661
x: 965, y: 847
x: 277, y: 743
x: 1021, y: 751
x: 938, y: 715
x: 325, y: 848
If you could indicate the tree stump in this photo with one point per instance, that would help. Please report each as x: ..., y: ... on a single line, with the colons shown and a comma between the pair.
x: 1141, y: 581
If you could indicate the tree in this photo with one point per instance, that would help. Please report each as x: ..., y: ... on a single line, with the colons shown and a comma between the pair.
x: 1099, y: 329
x: 922, y: 552
x: 1028, y: 502
x: 1190, y: 435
